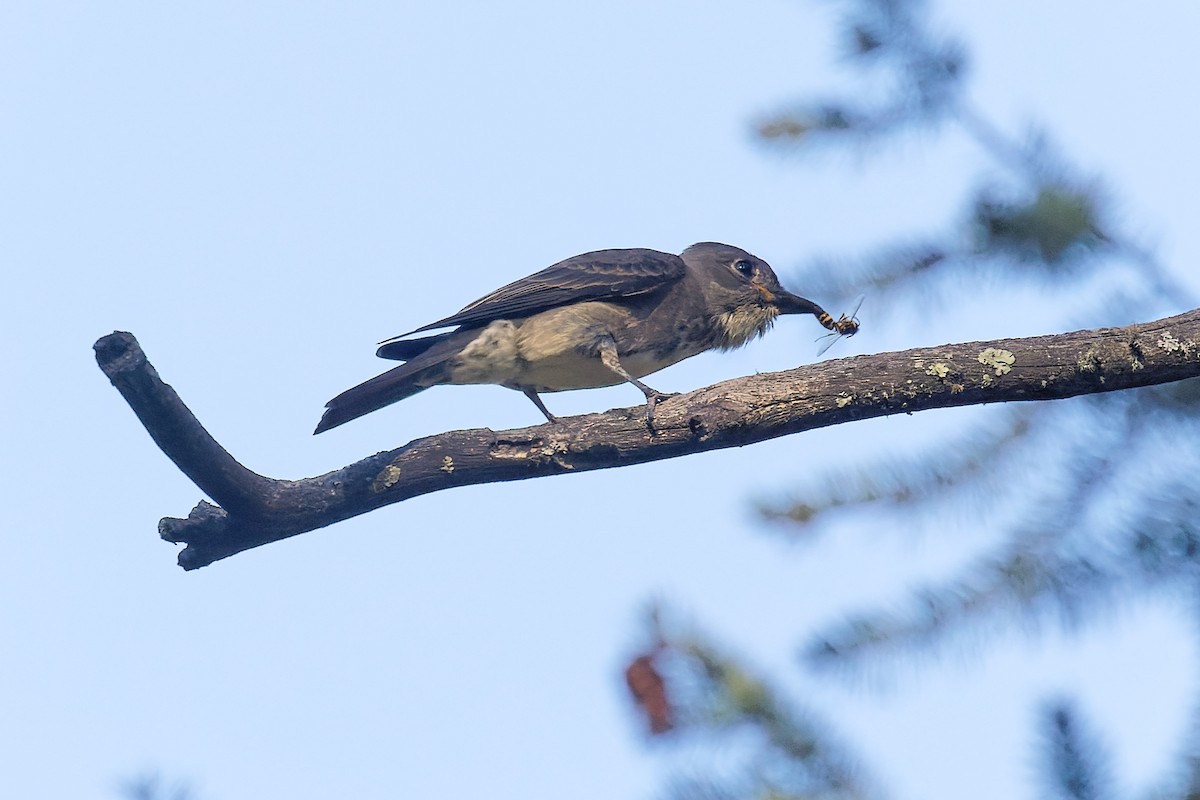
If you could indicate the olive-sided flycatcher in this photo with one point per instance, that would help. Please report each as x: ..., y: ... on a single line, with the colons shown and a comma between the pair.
x: 598, y: 319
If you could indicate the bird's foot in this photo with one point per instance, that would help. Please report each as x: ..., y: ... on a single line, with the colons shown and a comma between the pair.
x: 653, y: 398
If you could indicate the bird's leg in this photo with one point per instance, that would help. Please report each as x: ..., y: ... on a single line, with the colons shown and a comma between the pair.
x: 608, y: 356
x: 537, y: 401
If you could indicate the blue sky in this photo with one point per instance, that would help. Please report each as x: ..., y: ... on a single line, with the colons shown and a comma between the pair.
x: 261, y: 192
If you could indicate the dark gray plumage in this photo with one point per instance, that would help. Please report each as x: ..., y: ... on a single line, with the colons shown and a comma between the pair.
x: 597, y: 319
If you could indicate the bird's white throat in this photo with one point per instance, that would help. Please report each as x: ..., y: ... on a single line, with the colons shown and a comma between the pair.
x: 736, y: 327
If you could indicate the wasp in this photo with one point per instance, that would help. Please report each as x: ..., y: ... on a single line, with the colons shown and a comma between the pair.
x: 845, y: 325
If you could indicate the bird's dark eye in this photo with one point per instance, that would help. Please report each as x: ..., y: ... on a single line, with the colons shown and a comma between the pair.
x: 743, y: 266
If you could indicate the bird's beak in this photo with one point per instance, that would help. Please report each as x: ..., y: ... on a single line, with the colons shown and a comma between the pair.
x: 789, y: 303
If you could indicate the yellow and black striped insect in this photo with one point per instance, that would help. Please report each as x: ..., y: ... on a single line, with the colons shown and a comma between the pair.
x: 846, y: 325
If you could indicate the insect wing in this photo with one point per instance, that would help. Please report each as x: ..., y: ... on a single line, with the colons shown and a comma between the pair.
x: 846, y: 325
x: 829, y: 338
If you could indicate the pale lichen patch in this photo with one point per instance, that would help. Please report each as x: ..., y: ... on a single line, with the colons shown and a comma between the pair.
x: 447, y: 465
x: 1168, y: 343
x: 386, y: 479
x: 537, y: 451
x: 1088, y: 362
x: 999, y: 360
x: 938, y: 370
x: 844, y: 400
x: 556, y: 451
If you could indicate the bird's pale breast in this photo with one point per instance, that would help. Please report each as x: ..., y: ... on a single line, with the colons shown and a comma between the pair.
x: 556, y: 350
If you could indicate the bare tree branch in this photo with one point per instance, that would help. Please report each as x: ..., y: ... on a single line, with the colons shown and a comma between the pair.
x: 254, y: 510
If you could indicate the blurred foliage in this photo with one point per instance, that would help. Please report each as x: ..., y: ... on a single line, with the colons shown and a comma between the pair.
x: 1076, y: 765
x: 152, y: 786
x: 776, y: 750
x: 1098, y: 493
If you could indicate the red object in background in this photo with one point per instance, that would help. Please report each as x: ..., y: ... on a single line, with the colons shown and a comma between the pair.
x: 649, y: 691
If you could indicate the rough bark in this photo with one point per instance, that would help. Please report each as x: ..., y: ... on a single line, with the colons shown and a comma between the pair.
x: 253, y: 509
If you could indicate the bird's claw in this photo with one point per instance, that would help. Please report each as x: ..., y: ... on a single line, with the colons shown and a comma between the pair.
x: 652, y: 401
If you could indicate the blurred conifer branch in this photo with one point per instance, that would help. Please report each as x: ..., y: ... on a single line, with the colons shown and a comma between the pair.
x: 1099, y: 492
x: 768, y: 747
x: 1076, y: 765
x: 153, y: 786
x: 1045, y: 224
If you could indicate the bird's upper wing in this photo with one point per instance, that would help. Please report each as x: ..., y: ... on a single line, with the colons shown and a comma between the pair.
x: 600, y: 275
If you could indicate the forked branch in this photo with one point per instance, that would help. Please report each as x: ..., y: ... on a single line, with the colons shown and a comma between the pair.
x: 253, y: 509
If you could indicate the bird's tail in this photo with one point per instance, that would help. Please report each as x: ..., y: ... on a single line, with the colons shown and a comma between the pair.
x: 382, y: 390
x: 427, y: 366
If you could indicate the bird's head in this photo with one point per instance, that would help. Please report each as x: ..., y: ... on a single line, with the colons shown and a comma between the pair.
x: 741, y: 292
